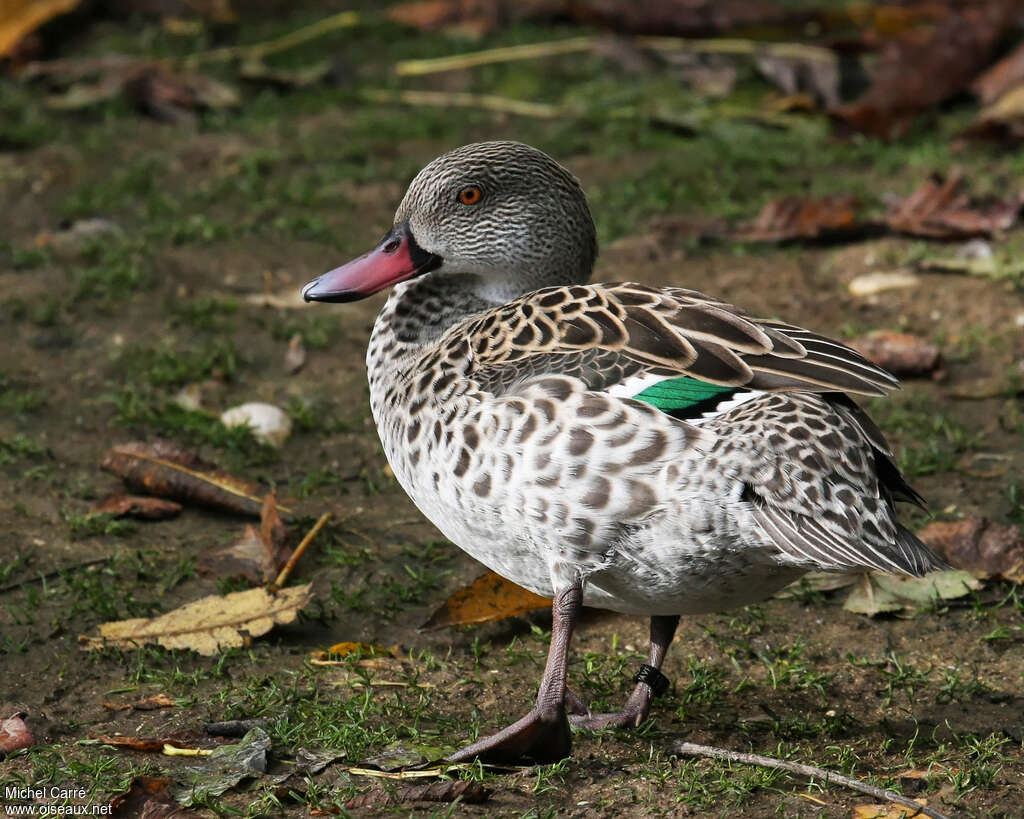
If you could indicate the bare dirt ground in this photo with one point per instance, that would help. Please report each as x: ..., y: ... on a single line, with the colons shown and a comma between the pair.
x: 97, y: 338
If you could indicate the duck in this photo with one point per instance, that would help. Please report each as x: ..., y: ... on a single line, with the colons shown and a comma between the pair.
x: 646, y: 450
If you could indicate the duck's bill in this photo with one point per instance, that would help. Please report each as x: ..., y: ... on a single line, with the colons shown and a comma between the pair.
x: 396, y: 258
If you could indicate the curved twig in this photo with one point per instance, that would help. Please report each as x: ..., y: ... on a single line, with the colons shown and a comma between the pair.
x: 810, y: 771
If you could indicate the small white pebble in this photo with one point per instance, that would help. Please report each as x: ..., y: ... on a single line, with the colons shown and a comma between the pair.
x: 1019, y: 319
x: 268, y: 423
x: 189, y: 397
x: 871, y: 283
x: 975, y: 249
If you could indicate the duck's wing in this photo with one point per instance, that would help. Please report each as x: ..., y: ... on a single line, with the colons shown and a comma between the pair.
x: 660, y: 332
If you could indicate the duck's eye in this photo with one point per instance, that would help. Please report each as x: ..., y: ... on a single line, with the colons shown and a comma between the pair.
x: 470, y: 195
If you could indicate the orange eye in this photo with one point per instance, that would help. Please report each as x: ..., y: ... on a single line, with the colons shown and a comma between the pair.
x: 470, y: 195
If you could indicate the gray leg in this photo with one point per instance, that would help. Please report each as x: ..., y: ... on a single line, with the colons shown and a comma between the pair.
x: 543, y: 734
x: 663, y: 629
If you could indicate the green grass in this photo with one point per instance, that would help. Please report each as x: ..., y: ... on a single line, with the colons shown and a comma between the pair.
x: 20, y: 447
x: 17, y: 398
x: 166, y: 366
x: 927, y: 438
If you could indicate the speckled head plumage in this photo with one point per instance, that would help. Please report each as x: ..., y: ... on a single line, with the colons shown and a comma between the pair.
x: 530, y: 225
x: 503, y: 212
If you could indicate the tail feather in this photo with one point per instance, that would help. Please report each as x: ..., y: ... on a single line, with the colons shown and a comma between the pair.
x: 918, y: 556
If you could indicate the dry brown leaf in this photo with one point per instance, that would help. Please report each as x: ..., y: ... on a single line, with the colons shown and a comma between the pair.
x: 14, y: 735
x: 144, y: 507
x: 902, y: 354
x: 145, y: 704
x: 207, y: 626
x: 1001, y: 77
x: 470, y: 793
x: 925, y: 67
x: 19, y: 18
x: 163, y: 469
x: 1003, y: 119
x: 150, y: 86
x: 795, y: 217
x: 151, y: 798
x: 295, y: 357
x: 149, y: 745
x: 249, y: 559
x: 686, y: 18
x: 429, y: 15
x: 489, y: 597
x: 174, y: 96
x: 471, y: 18
x: 887, y: 810
x: 345, y: 648
x: 260, y: 553
x: 979, y: 546
x: 937, y: 210
x: 154, y: 702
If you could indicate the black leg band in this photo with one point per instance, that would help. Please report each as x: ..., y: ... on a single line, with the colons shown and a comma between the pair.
x: 657, y: 681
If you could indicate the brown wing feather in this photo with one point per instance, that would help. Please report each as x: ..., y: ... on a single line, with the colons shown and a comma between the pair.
x: 674, y: 330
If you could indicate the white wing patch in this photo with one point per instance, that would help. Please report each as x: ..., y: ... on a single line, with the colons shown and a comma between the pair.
x: 634, y: 385
x: 728, y: 404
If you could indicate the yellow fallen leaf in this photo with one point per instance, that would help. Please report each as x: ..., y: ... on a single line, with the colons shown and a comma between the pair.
x: 489, y: 597
x: 22, y: 17
x: 207, y: 626
x: 887, y: 810
x: 346, y: 648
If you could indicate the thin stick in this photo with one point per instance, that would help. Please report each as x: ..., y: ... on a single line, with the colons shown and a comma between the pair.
x: 39, y: 578
x: 732, y: 45
x: 287, y: 569
x: 488, y: 102
x: 532, y: 51
x: 256, y: 51
x: 528, y: 51
x: 827, y: 777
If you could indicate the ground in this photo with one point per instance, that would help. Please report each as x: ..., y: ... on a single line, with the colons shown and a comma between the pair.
x: 98, y: 338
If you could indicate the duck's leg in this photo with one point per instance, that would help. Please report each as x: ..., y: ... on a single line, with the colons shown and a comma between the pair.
x: 650, y: 682
x: 543, y: 734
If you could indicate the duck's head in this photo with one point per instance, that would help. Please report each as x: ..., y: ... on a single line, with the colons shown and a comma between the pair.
x: 501, y: 212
